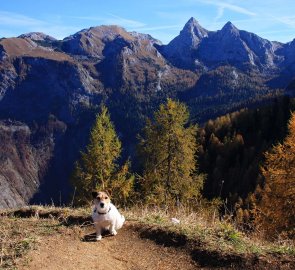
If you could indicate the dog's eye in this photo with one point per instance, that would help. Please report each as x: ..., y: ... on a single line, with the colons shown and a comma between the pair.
x: 106, y: 198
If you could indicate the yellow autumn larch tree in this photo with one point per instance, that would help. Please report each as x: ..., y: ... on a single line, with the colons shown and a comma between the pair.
x: 276, y: 209
x: 98, y: 167
x: 168, y: 148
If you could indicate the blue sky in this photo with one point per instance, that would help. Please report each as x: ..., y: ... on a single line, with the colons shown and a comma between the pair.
x: 163, y: 19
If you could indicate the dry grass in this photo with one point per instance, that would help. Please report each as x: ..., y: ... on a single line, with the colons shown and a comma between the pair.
x: 23, y: 47
x: 209, y: 231
x: 60, y: 213
x: 17, y: 236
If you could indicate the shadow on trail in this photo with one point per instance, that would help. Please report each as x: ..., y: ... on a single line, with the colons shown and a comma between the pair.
x: 91, y: 237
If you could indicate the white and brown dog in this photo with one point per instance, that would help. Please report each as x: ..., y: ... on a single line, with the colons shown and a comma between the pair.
x: 105, y: 215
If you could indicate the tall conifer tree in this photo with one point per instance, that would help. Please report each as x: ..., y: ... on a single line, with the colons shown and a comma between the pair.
x: 277, y: 212
x: 98, y: 168
x: 168, y: 150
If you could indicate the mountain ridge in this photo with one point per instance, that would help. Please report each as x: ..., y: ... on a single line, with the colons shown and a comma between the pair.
x: 195, y: 48
x: 227, y: 45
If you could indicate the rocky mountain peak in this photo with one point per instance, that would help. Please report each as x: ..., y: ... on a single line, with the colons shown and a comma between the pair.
x: 181, y: 49
x: 92, y: 41
x: 38, y: 36
x: 103, y: 32
x: 230, y: 28
x: 193, y: 30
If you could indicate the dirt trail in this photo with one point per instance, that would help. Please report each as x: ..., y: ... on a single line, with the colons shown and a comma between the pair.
x: 123, y: 251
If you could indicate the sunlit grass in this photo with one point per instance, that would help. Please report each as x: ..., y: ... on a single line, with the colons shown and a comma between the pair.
x: 215, y: 234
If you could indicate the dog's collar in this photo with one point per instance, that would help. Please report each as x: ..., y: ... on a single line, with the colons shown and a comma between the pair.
x: 96, y: 211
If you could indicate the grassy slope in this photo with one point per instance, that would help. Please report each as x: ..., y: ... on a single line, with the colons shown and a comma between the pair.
x: 205, y: 238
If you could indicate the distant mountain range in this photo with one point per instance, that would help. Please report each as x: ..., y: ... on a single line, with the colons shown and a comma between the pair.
x: 50, y: 91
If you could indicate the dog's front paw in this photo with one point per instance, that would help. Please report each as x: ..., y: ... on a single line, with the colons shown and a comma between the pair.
x: 113, y: 232
x: 98, y: 237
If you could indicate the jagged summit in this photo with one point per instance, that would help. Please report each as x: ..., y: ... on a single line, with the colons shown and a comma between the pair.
x: 192, y: 23
x: 192, y: 20
x: 196, y: 47
x: 190, y: 36
x: 194, y: 31
x: 180, y: 49
x: 229, y: 27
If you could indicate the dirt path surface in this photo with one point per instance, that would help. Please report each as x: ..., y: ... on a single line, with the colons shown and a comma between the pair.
x: 123, y: 251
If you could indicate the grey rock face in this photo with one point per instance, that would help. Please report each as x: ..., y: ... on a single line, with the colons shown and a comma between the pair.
x: 19, y: 167
x: 148, y: 37
x: 180, y: 51
x: 289, y: 51
x: 38, y: 36
x: 236, y: 47
x: 7, y: 80
x: 92, y: 42
x: 225, y: 46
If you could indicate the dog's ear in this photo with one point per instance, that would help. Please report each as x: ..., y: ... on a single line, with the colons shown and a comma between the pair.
x: 94, y: 194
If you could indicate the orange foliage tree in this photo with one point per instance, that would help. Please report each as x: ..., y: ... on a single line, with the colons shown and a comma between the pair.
x: 276, y: 208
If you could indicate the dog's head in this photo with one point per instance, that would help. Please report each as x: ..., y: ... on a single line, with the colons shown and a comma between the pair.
x: 101, y: 201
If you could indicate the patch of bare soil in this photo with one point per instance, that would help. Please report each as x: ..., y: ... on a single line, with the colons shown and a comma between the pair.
x: 127, y: 250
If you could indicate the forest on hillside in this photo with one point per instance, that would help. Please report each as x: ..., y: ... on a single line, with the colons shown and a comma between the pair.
x: 232, y: 147
x: 233, y: 154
